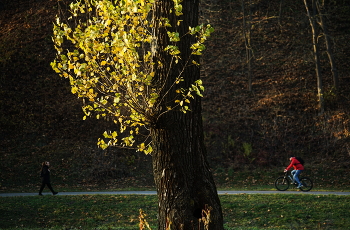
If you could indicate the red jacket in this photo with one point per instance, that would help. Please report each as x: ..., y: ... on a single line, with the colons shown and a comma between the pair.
x: 296, y: 164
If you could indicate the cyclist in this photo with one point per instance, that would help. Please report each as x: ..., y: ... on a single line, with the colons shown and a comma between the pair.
x: 298, y: 168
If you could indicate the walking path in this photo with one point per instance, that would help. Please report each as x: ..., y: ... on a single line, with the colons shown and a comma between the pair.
x: 154, y: 193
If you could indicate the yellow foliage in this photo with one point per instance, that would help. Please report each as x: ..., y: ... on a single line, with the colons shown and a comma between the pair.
x: 112, y: 69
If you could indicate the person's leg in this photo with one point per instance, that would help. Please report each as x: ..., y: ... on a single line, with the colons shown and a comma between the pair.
x: 42, y: 188
x: 296, y: 177
x: 50, y: 187
x: 293, y: 173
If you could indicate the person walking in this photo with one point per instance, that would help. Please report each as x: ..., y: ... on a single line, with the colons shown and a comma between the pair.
x: 45, y: 175
x: 298, y: 168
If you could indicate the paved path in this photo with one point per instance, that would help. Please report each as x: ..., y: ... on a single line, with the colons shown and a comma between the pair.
x: 154, y: 193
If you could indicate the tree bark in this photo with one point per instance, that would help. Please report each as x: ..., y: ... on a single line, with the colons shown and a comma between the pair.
x: 328, y: 46
x: 280, y: 14
x: 312, y: 18
x: 247, y: 42
x: 185, y: 186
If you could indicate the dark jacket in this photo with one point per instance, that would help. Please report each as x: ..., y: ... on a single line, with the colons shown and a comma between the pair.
x: 45, y: 174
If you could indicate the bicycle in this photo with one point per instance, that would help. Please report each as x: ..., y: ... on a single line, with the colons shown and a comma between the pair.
x: 282, y: 183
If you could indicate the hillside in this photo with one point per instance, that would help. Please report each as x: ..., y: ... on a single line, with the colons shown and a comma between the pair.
x: 280, y: 115
x: 40, y: 120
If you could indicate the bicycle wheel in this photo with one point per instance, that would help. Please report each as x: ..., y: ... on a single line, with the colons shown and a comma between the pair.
x: 282, y: 183
x: 307, y: 184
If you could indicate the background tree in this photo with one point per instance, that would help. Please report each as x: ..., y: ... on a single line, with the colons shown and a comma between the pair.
x: 328, y: 43
x: 247, y: 31
x: 311, y: 13
x: 136, y: 64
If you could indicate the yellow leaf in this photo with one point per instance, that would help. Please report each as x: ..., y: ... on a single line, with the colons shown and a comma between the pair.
x: 149, y: 150
x: 74, y: 89
x: 194, y: 62
x: 117, y: 49
x: 142, y: 146
x: 103, y: 63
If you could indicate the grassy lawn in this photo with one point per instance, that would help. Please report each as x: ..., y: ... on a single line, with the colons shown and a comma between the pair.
x: 243, y: 211
x: 256, y: 180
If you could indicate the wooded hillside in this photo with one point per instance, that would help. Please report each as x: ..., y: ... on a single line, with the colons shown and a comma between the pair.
x: 41, y: 120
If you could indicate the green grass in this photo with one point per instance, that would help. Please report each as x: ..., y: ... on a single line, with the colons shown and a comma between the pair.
x: 80, y: 212
x: 226, y: 179
x: 243, y: 211
x: 263, y: 179
x: 286, y: 212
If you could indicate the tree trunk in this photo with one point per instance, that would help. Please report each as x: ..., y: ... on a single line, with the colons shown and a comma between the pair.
x: 247, y: 42
x: 328, y: 47
x: 312, y: 19
x: 185, y: 186
x: 280, y: 14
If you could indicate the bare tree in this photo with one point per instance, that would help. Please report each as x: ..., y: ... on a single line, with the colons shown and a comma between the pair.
x: 315, y: 33
x: 280, y: 13
x: 323, y: 24
x: 247, y: 30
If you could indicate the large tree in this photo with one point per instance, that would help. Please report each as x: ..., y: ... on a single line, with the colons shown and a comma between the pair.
x: 136, y: 62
